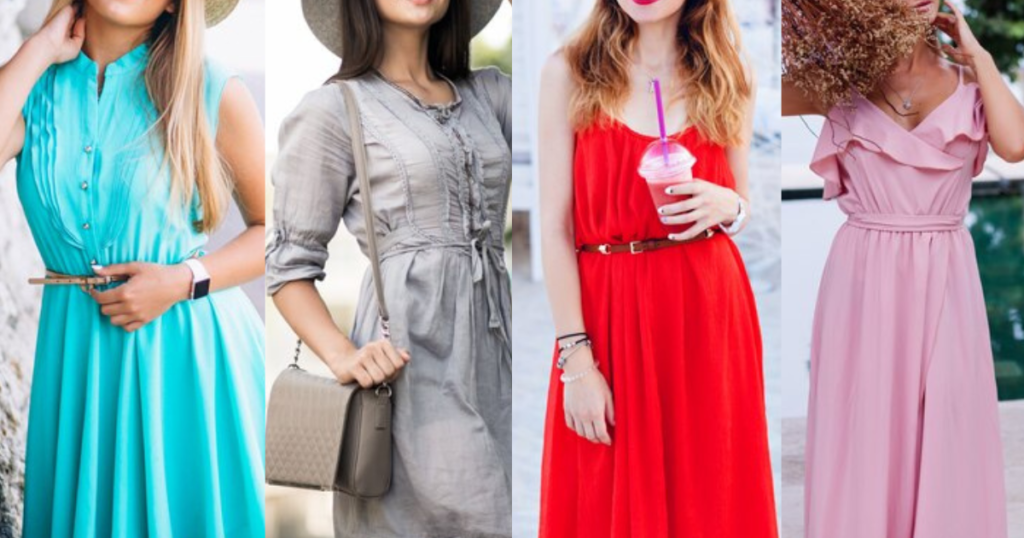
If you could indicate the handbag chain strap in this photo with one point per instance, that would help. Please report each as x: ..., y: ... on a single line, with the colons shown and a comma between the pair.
x: 359, y: 156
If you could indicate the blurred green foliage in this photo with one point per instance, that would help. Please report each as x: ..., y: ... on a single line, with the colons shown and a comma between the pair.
x: 484, y: 55
x: 999, y: 27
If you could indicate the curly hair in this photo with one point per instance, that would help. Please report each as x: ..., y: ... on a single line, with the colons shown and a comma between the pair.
x: 834, y: 48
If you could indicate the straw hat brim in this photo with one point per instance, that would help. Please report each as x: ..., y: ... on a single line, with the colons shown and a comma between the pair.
x: 324, y: 19
x: 218, y: 10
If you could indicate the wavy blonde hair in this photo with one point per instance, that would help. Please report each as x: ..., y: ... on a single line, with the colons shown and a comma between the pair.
x: 715, y: 86
x: 175, y: 81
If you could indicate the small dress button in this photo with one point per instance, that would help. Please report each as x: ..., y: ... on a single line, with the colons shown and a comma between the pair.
x: 86, y: 226
x: 88, y: 149
x: 85, y: 185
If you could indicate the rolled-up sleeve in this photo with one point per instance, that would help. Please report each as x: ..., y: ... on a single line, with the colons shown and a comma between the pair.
x: 498, y: 87
x: 313, y: 178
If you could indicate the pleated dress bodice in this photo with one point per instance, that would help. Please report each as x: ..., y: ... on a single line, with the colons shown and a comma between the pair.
x: 157, y: 432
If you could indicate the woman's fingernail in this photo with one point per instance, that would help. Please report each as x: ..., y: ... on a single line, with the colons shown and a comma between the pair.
x: 669, y: 191
x: 661, y: 210
x: 97, y: 268
x: 664, y: 219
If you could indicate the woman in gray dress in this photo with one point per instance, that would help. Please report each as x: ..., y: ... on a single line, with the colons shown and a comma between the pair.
x: 438, y: 139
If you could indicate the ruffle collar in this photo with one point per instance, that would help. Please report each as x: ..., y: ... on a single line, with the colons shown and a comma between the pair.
x: 862, y: 124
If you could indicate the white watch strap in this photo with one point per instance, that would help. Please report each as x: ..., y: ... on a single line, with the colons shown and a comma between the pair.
x: 199, y: 272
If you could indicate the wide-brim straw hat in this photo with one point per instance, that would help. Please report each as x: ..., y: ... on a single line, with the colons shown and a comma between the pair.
x: 218, y: 10
x: 324, y: 19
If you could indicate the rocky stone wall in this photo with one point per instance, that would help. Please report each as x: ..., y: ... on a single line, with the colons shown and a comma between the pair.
x: 19, y: 315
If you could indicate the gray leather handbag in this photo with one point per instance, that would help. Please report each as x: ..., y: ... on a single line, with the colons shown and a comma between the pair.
x: 322, y: 434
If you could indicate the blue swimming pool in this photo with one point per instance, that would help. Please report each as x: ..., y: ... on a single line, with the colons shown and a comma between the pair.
x: 996, y: 222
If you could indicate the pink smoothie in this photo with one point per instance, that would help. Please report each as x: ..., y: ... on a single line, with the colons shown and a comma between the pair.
x: 659, y: 177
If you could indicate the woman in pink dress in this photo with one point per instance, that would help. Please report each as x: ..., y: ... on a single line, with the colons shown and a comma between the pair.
x: 903, y: 434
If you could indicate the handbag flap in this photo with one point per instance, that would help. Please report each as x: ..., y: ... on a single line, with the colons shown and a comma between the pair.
x: 306, y: 419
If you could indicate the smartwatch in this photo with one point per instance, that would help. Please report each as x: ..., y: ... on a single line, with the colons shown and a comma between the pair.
x: 200, y: 279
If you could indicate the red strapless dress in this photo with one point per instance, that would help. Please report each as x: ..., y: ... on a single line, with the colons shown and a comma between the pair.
x: 676, y: 334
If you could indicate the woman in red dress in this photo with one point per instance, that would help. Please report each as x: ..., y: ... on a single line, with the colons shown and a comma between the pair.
x: 656, y: 420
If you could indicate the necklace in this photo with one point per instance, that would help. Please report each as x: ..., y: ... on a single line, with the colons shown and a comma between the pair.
x: 666, y: 84
x: 908, y: 102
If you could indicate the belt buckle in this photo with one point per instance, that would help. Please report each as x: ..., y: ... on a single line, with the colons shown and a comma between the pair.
x: 605, y: 249
x: 636, y: 247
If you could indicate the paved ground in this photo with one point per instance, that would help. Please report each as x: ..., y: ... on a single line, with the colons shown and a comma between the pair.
x: 532, y: 334
x: 793, y: 431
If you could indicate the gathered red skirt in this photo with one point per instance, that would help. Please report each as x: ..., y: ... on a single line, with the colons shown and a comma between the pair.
x: 677, y: 337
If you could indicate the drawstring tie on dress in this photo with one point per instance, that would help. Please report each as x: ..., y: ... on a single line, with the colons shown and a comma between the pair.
x: 484, y: 255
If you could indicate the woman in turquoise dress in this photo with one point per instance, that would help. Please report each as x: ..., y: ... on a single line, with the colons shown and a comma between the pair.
x: 146, y: 412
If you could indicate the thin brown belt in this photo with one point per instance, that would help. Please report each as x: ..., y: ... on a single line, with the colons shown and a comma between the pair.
x: 636, y: 247
x: 53, y: 278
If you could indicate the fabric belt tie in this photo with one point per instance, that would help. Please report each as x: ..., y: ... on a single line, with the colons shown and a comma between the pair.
x: 484, y: 255
x: 906, y: 223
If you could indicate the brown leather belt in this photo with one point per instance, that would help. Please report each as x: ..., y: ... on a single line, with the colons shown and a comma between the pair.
x: 636, y: 247
x: 57, y: 279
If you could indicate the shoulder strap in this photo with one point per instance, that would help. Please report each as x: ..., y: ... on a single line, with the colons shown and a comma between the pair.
x: 359, y: 156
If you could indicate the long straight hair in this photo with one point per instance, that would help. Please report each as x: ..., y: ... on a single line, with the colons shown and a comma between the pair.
x: 714, y: 82
x: 362, y: 40
x: 175, y: 81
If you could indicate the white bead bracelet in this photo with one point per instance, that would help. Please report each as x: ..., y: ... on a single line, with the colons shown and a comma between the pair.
x: 572, y: 378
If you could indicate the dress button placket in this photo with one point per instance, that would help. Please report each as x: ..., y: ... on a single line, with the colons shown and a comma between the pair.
x: 90, y: 167
x: 90, y: 157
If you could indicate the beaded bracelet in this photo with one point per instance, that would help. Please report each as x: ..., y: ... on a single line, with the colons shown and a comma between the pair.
x: 565, y: 347
x: 572, y: 378
x: 567, y: 350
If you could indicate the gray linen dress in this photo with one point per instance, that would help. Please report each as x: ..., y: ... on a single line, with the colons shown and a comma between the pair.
x: 440, y: 178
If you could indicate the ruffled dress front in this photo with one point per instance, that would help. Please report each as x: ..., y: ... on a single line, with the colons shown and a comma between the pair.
x: 903, y: 434
x: 154, y: 433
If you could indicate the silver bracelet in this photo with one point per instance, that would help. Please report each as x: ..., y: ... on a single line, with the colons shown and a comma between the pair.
x: 572, y: 378
x: 737, y: 224
x: 566, y: 351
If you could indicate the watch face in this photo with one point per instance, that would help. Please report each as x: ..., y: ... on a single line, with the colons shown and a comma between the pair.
x: 201, y: 289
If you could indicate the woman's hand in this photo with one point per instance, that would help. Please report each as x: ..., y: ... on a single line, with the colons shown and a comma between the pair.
x: 967, y: 48
x: 1004, y: 114
x: 63, y: 36
x: 708, y: 205
x: 589, y: 409
x: 369, y: 365
x: 151, y: 289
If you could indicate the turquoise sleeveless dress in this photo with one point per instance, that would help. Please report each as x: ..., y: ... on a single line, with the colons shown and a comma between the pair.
x: 155, y: 433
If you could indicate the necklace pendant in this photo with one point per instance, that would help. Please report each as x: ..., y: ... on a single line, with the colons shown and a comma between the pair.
x: 907, y: 104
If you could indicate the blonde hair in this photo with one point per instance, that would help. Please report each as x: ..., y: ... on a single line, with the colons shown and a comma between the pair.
x: 715, y: 86
x: 175, y: 81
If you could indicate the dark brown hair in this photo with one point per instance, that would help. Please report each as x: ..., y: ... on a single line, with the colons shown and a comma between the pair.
x: 362, y: 36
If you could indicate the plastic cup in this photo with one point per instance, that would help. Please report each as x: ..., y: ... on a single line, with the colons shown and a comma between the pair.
x: 663, y: 165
